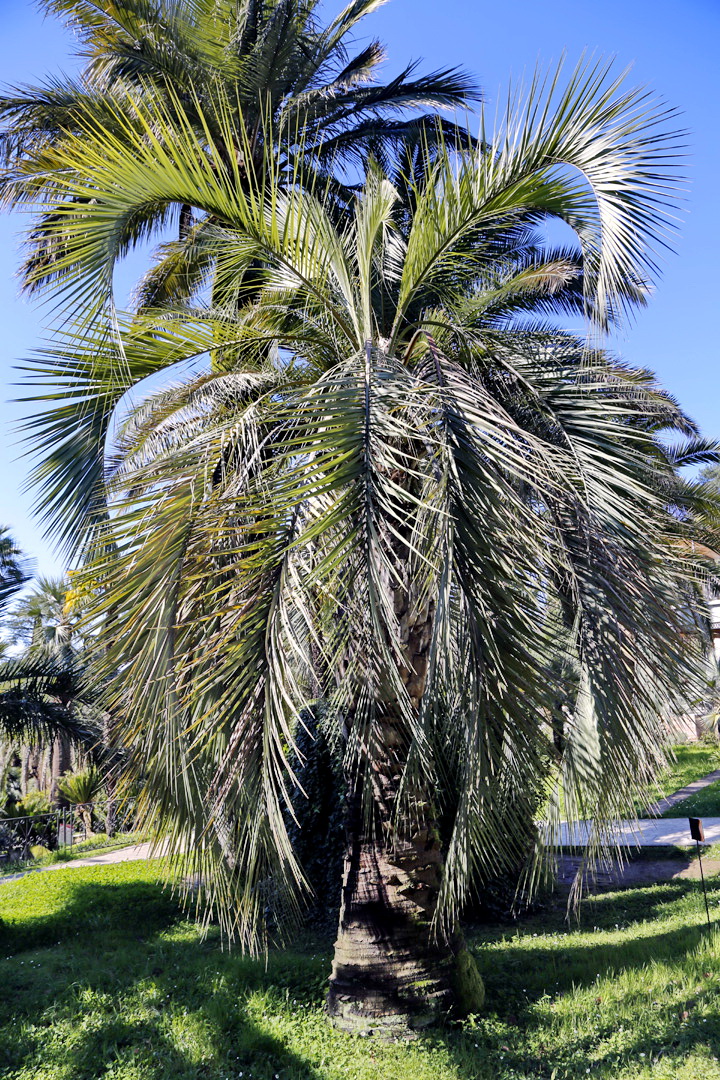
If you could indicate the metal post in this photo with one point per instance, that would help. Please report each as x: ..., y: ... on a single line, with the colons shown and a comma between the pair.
x: 702, y: 878
x: 698, y: 833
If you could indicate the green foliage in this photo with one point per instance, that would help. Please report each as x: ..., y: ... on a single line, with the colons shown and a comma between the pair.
x: 82, y: 786
x: 45, y: 694
x: 43, y: 697
x: 35, y: 802
x: 13, y: 568
x: 387, y: 434
x: 103, y: 967
x: 273, y: 62
x: 316, y: 825
x: 710, y: 478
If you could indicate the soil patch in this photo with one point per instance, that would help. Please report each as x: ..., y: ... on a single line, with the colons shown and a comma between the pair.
x: 634, y: 872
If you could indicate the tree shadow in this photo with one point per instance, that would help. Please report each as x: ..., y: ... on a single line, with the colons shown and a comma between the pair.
x: 528, y: 975
x: 123, y: 971
x: 121, y: 979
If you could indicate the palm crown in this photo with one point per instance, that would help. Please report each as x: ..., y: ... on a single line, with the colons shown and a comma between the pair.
x: 271, y: 63
x: 396, y: 493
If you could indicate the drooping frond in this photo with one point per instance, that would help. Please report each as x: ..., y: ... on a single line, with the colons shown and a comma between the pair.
x: 32, y: 691
x: 383, y: 493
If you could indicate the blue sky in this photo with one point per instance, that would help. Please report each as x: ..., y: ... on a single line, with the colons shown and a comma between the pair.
x: 673, y: 50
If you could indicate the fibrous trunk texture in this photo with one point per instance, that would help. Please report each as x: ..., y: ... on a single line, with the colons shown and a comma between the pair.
x: 61, y: 763
x: 391, y: 974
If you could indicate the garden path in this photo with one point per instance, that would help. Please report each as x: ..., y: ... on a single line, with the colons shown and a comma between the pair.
x: 658, y: 808
x: 124, y: 854
x: 648, y: 832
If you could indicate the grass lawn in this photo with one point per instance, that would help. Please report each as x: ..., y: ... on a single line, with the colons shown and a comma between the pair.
x: 103, y: 976
x: 704, y: 803
x: 692, y: 762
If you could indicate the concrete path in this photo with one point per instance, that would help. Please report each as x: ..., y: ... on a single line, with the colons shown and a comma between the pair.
x: 647, y: 832
x: 658, y: 809
x: 104, y: 858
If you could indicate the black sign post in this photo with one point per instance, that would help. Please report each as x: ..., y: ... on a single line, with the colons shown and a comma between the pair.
x: 698, y: 833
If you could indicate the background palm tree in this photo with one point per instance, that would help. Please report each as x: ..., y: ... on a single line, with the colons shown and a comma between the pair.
x: 271, y: 61
x: 46, y: 704
x: 397, y: 493
x: 13, y: 568
x: 81, y: 789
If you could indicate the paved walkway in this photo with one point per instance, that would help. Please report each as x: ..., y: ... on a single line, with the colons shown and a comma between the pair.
x: 122, y: 854
x: 658, y: 809
x: 648, y: 832
x: 103, y: 858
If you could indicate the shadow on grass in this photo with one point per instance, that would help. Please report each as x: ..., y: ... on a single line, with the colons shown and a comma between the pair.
x: 563, y: 961
x: 117, y: 982
x: 120, y: 980
x: 527, y: 976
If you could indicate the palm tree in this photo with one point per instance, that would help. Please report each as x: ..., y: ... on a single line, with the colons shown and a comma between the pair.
x: 33, y: 689
x: 272, y: 59
x: 45, y: 698
x: 45, y: 622
x: 13, y: 568
x: 40, y: 701
x: 396, y: 493
x: 81, y: 788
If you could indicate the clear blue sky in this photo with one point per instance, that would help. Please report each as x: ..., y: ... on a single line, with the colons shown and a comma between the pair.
x: 673, y: 49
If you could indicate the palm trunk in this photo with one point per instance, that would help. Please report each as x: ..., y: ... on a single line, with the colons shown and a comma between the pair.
x: 24, y: 771
x: 110, y: 778
x: 84, y: 811
x: 40, y: 766
x: 60, y: 765
x: 389, y: 975
x: 390, y: 972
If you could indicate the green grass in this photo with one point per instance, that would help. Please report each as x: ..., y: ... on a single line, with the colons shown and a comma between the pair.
x: 94, y: 845
x: 103, y: 977
x: 704, y: 803
x: 692, y: 762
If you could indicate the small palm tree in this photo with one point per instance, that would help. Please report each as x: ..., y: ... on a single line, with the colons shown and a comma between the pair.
x: 396, y: 495
x: 81, y: 789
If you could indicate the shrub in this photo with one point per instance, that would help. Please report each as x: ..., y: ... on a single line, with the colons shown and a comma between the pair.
x: 81, y: 787
x: 35, y: 802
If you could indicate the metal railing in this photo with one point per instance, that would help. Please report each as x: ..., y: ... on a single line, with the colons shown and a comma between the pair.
x: 18, y: 835
x: 55, y: 830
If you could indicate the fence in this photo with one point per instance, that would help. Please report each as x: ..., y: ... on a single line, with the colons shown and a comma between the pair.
x: 55, y: 830
x: 18, y: 835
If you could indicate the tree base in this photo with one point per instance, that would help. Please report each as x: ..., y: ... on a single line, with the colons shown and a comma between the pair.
x: 391, y: 977
x: 366, y: 1007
